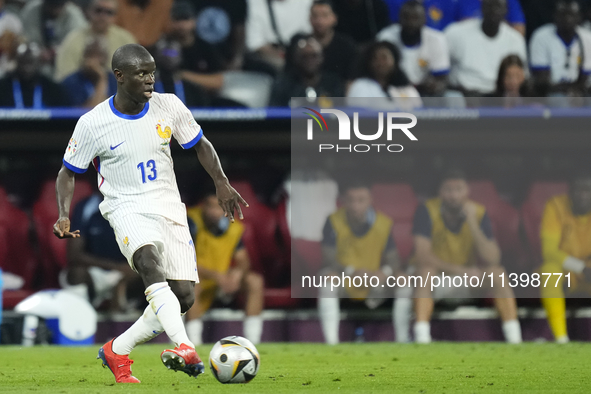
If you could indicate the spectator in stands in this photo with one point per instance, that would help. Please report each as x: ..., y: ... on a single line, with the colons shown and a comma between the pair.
x: 303, y: 75
x: 511, y: 82
x: 26, y: 87
x: 146, y: 20
x: 566, y: 248
x: 221, y: 24
x: 357, y: 240
x: 168, y: 58
x: 425, y: 56
x: 96, y: 268
x: 477, y: 48
x: 441, y: 13
x: 270, y: 25
x: 453, y: 234
x: 10, y: 28
x: 560, y: 53
x: 380, y: 75
x: 201, y: 64
x: 94, y: 82
x: 48, y: 22
x: 101, y: 14
x: 224, y: 269
x: 361, y: 19
x: 338, y: 51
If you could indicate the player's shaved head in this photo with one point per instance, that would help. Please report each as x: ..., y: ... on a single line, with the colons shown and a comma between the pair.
x: 128, y: 56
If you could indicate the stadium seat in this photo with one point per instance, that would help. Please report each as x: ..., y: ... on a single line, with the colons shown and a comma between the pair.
x: 19, y: 258
x: 3, y: 248
x: 399, y: 202
x: 505, y: 221
x: 251, y: 89
x: 53, y: 250
x: 309, y: 254
x: 531, y: 213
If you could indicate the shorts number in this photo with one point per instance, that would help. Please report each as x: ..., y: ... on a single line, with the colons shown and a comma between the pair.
x: 151, y: 165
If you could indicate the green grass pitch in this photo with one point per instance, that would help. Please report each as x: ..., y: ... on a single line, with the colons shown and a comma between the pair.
x: 315, y: 368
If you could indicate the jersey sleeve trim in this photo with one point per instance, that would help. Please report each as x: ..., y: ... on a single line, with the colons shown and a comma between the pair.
x: 194, y: 141
x: 74, y: 168
x: 540, y: 68
x: 438, y: 73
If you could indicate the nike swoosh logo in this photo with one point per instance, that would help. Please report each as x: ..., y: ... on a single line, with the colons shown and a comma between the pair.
x: 159, y: 309
x: 116, y: 146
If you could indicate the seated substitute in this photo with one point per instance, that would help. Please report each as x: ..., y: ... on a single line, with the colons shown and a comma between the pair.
x: 218, y: 243
x: 453, y: 235
x: 96, y: 268
x: 357, y: 240
x: 566, y: 247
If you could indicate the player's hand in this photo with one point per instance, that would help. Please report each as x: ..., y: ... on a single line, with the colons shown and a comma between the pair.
x: 230, y: 200
x: 473, y: 271
x: 61, y: 229
x: 469, y: 210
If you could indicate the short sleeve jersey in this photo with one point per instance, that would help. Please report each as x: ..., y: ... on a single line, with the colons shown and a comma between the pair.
x: 132, y: 155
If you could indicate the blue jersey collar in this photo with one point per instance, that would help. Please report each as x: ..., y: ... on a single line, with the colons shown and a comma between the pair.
x: 125, y: 116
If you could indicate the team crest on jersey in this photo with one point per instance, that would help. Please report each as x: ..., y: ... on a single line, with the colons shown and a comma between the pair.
x: 126, y: 241
x: 72, y: 146
x: 164, y: 133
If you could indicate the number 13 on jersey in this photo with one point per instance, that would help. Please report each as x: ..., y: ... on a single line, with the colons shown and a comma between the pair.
x: 149, y: 165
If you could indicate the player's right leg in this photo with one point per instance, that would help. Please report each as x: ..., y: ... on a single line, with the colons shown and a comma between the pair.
x: 554, y: 303
x: 329, y: 310
x: 423, y: 308
x: 254, y: 287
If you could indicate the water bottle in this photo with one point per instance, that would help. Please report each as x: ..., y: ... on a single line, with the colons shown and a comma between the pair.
x: 359, y: 338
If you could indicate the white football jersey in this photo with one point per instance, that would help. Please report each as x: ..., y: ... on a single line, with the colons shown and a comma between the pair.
x: 132, y: 156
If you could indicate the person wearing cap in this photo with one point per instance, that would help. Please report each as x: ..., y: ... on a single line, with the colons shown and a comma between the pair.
x: 27, y: 87
x: 101, y: 14
x: 48, y: 22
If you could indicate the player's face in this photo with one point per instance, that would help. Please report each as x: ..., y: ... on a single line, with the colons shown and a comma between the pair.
x: 138, y: 80
x: 322, y: 18
x: 514, y: 78
x: 412, y: 18
x: 454, y: 193
x: 567, y: 16
x: 494, y: 10
x: 580, y: 194
x: 382, y: 63
x: 212, y: 212
x: 357, y: 203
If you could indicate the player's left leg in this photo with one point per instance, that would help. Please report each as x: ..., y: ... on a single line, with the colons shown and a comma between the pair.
x: 505, y: 304
x: 253, y: 286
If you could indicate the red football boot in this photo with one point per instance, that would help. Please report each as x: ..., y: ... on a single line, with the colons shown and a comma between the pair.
x: 183, y: 358
x: 120, y: 365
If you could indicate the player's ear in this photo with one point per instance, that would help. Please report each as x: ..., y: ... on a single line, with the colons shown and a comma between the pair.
x: 118, y: 75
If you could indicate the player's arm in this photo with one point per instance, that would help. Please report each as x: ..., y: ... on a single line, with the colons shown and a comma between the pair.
x: 64, y: 190
x: 486, y: 246
x: 228, y: 198
x: 390, y: 258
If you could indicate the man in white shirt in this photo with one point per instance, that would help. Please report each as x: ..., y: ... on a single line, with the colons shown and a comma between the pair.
x: 269, y: 34
x: 10, y: 28
x: 127, y: 137
x: 560, y: 53
x: 477, y: 48
x: 425, y: 55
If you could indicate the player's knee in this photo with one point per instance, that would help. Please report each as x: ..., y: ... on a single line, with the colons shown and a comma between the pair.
x: 146, y: 259
x: 254, y: 282
x: 187, y: 300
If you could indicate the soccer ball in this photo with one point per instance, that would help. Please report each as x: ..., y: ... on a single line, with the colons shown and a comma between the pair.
x: 234, y: 360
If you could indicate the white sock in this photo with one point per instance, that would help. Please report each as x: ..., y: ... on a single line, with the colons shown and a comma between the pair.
x: 253, y: 328
x: 329, y: 310
x: 512, y: 331
x: 195, y: 331
x: 168, y: 311
x: 401, y: 313
x: 563, y: 339
x: 144, y: 329
x: 422, y: 332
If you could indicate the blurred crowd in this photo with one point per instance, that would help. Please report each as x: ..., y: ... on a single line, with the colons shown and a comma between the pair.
x: 256, y: 53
